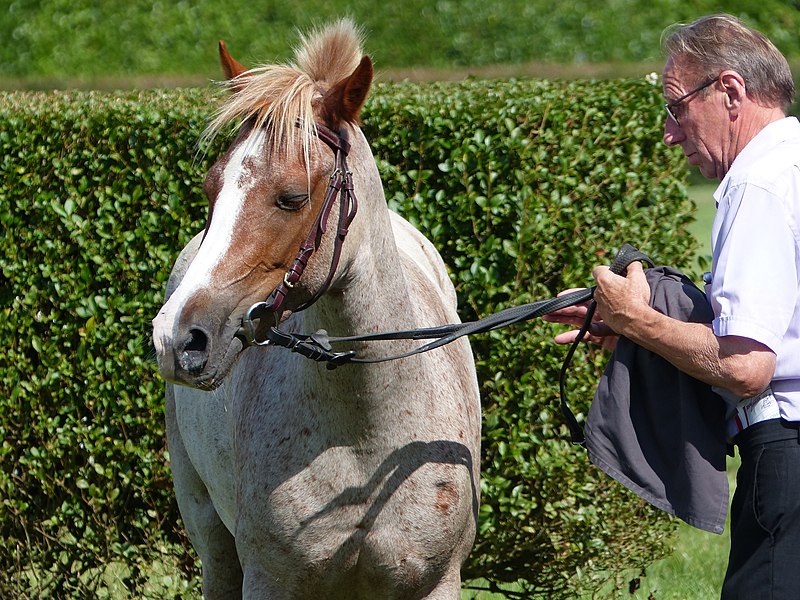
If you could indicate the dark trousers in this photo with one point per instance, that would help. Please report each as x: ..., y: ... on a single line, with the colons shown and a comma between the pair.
x: 764, y: 561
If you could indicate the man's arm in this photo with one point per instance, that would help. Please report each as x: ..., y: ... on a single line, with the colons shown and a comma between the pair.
x: 740, y: 365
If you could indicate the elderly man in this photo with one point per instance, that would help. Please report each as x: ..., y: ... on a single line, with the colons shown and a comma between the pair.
x: 728, y: 90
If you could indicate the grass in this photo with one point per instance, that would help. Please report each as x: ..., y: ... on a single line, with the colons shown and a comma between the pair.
x: 702, y: 194
x: 696, y: 569
x: 697, y: 566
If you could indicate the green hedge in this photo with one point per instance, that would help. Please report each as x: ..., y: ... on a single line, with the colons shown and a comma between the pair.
x: 523, y: 185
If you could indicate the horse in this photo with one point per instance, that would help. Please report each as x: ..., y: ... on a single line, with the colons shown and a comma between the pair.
x: 294, y: 480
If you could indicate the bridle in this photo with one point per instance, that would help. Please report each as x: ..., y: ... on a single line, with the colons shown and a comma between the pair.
x: 340, y: 186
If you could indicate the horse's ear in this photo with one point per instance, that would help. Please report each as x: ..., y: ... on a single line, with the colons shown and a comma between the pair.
x: 231, y: 67
x: 343, y: 102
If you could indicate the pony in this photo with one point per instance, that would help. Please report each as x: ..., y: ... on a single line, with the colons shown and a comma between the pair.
x: 294, y: 480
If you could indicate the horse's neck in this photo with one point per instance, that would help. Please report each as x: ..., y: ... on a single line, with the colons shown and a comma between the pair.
x: 381, y: 287
x: 372, y: 288
x: 373, y: 292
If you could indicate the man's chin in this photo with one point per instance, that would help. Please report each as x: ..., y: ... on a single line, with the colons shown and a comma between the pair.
x: 706, y: 170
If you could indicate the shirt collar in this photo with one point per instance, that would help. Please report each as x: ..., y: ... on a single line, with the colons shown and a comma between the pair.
x: 769, y: 137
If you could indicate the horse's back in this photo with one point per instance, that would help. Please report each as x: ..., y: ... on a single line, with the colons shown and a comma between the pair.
x: 435, y: 302
x: 419, y: 252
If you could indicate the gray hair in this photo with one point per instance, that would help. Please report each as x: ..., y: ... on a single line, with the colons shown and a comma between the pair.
x: 715, y: 43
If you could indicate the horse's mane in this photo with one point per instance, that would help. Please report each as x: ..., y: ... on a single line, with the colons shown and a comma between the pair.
x: 281, y: 96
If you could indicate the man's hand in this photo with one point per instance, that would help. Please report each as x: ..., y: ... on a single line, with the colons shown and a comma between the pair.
x: 621, y: 300
x: 598, y: 333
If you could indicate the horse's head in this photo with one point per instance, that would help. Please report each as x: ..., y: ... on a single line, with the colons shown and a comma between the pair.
x: 265, y: 197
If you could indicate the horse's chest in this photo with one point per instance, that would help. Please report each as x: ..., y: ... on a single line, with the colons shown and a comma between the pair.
x: 301, y: 485
x: 205, y: 422
x: 350, y: 516
x: 320, y: 499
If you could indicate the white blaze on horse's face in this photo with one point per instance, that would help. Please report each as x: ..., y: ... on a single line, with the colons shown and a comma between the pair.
x: 237, y: 182
x: 195, y: 331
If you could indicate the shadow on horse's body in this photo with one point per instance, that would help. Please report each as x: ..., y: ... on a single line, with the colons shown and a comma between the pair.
x: 295, y: 481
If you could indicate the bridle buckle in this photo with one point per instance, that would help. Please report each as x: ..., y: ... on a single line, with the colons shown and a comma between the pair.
x: 256, y: 312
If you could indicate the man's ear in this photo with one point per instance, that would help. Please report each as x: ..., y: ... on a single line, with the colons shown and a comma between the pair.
x: 735, y: 89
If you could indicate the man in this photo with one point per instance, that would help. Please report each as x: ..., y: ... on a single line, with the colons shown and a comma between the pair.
x: 728, y: 90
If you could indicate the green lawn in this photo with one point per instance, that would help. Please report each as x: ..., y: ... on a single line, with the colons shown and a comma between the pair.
x: 702, y: 194
x: 696, y: 569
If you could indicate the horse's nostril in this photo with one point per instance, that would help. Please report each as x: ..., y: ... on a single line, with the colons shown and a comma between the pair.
x: 192, y: 358
x: 197, y: 342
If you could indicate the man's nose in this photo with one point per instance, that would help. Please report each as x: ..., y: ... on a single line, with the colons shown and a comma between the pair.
x: 673, y: 134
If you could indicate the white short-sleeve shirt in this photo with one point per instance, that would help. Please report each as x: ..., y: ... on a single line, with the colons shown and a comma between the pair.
x: 755, y: 289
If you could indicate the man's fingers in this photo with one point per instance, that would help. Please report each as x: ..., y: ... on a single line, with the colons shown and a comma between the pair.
x: 572, y: 315
x: 567, y: 337
x: 633, y: 268
x: 569, y: 291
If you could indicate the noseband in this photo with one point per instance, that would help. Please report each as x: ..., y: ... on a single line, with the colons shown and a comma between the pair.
x: 340, y: 186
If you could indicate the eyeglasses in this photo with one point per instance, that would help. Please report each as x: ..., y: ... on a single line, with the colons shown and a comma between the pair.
x: 671, y: 106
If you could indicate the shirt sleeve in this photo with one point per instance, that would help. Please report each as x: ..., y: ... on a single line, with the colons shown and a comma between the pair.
x: 753, y: 292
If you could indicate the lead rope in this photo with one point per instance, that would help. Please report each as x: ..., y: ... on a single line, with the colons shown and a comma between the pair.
x: 627, y: 255
x: 575, y: 430
x: 318, y: 346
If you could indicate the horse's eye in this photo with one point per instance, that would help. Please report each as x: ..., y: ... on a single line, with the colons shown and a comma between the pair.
x: 292, y: 202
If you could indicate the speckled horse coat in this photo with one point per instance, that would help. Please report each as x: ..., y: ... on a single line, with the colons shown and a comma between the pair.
x: 295, y: 481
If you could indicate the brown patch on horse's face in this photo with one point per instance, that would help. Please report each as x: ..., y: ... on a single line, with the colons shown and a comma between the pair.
x: 261, y: 208
x: 275, y: 208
